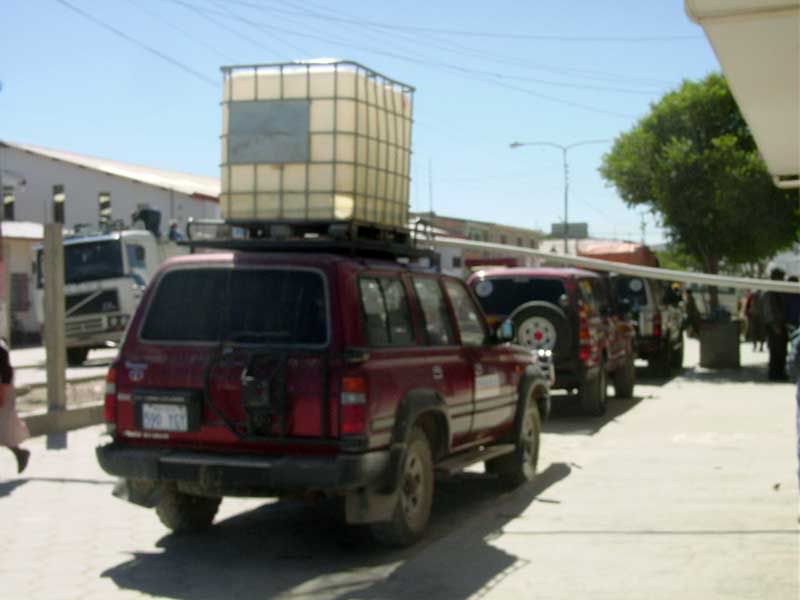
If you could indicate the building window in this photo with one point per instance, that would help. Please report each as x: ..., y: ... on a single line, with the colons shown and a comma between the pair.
x: 8, y: 202
x: 456, y: 262
x: 59, y: 197
x: 520, y: 242
x: 20, y: 301
x: 503, y: 239
x: 104, y: 208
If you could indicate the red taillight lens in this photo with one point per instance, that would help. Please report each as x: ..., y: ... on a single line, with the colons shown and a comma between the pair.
x: 110, y: 402
x: 584, y: 336
x: 353, y: 402
x: 657, y: 324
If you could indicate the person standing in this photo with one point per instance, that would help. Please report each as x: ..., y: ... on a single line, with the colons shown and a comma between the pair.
x: 777, y: 337
x: 13, y: 430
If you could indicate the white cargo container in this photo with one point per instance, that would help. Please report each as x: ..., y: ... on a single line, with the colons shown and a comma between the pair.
x: 315, y: 141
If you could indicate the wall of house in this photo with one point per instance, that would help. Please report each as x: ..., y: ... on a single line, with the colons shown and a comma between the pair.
x: 34, y: 200
x: 19, y: 286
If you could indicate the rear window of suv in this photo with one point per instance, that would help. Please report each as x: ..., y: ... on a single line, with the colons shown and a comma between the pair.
x: 272, y: 306
x: 631, y: 289
x: 500, y: 296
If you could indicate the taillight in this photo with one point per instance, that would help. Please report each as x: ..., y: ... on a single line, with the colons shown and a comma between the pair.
x: 657, y: 324
x: 584, y: 335
x: 353, y: 402
x: 110, y: 401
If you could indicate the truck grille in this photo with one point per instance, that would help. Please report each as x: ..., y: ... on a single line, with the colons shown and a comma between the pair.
x: 84, y: 326
x: 103, y: 302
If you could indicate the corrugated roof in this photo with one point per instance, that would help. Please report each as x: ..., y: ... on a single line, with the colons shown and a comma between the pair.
x: 184, y: 183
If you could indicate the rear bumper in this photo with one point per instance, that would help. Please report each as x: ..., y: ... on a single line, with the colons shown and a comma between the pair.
x: 243, y: 473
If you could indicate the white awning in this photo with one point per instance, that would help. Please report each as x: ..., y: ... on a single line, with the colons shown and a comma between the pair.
x: 757, y: 43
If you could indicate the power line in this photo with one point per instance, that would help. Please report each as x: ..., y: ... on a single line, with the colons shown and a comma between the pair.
x: 328, y: 15
x: 492, y: 78
x: 138, y: 43
x: 485, y: 34
x: 185, y: 34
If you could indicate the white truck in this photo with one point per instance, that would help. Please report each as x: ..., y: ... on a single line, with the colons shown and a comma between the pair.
x: 104, y: 277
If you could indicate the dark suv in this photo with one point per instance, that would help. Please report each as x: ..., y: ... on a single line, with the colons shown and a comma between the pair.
x: 657, y: 313
x: 571, y: 313
x: 308, y: 374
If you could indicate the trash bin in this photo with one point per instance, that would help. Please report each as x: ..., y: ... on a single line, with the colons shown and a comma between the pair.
x: 719, y: 344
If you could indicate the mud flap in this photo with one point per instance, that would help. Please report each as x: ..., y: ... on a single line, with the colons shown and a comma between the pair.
x: 141, y: 492
x: 364, y: 506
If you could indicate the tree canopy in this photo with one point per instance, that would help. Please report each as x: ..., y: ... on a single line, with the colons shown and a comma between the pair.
x: 693, y: 161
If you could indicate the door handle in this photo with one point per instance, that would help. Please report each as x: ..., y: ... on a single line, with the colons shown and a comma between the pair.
x: 438, y: 374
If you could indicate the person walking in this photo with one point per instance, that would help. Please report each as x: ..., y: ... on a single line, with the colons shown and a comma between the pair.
x: 756, y: 331
x: 777, y: 337
x: 13, y: 430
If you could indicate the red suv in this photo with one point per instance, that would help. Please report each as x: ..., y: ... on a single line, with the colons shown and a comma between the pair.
x: 571, y: 313
x: 308, y: 374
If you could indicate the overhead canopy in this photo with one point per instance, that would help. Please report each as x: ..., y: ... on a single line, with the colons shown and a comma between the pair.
x: 757, y: 43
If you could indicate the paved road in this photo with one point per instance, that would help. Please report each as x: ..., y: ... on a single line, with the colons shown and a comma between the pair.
x: 688, y: 491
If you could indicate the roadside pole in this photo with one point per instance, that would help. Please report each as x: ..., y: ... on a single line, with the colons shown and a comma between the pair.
x: 55, y: 344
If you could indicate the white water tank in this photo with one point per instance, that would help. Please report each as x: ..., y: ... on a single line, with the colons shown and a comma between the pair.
x: 315, y: 141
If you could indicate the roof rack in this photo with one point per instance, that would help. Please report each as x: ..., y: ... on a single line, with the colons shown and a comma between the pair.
x: 351, y: 238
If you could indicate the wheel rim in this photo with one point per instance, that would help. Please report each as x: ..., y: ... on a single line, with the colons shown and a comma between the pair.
x: 412, y: 497
x: 537, y: 333
x: 530, y: 444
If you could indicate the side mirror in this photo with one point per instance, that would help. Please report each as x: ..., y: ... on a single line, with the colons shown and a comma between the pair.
x: 504, y: 331
x: 563, y: 301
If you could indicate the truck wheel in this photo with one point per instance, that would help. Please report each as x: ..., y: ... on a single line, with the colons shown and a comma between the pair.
x: 625, y: 379
x: 77, y: 356
x: 415, y: 496
x: 520, y: 466
x: 593, y: 393
x: 661, y: 363
x: 541, y: 325
x: 182, y: 512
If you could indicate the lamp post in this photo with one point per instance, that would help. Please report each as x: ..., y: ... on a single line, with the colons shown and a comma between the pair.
x: 564, y: 150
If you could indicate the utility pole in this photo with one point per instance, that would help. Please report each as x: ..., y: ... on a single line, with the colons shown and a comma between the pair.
x: 642, y: 227
x: 564, y: 149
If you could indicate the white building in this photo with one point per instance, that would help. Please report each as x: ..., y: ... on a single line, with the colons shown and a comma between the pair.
x: 29, y: 175
x: 94, y: 190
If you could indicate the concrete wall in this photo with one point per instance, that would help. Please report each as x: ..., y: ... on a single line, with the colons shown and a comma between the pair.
x: 33, y: 201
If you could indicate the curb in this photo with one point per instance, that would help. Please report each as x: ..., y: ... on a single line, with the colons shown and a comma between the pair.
x: 42, y: 422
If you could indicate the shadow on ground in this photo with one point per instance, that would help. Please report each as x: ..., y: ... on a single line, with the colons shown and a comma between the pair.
x: 286, y: 547
x: 7, y: 487
x: 567, y: 417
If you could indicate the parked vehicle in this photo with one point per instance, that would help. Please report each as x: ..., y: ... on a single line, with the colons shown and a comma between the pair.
x: 658, y: 316
x: 105, y: 274
x: 314, y: 374
x: 570, y: 312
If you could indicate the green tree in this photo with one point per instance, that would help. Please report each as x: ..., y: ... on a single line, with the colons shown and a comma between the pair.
x: 693, y: 161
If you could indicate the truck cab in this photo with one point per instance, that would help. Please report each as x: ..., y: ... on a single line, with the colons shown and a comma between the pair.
x: 104, y: 278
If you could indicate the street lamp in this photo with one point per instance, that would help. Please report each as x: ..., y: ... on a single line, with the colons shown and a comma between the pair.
x: 564, y: 150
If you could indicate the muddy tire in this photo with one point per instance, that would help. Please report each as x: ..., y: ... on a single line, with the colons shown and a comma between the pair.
x: 520, y: 466
x: 593, y: 393
x: 624, y: 379
x: 414, y: 498
x: 661, y: 363
x: 77, y: 356
x: 182, y: 512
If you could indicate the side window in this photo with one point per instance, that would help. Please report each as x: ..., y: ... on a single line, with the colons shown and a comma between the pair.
x: 437, y: 321
x: 470, y: 323
x: 600, y: 292
x: 386, y: 315
x: 136, y: 256
x: 585, y: 292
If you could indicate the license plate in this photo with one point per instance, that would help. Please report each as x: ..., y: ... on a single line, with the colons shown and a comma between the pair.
x: 165, y: 417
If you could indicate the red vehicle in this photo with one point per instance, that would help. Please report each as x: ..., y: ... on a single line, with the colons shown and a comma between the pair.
x: 572, y: 314
x: 308, y: 374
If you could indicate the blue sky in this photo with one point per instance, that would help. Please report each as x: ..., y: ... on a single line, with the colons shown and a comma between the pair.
x: 486, y: 74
